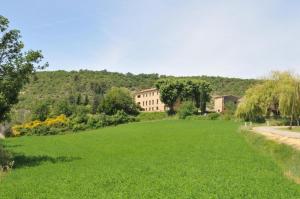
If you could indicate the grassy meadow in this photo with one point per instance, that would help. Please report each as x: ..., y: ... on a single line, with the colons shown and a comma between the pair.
x: 158, y: 159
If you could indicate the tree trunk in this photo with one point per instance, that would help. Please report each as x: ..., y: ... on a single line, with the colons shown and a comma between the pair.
x: 291, y: 123
x: 203, y: 108
x: 171, y: 110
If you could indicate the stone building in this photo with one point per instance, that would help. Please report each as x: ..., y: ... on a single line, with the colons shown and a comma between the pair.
x: 149, y: 100
x: 220, y: 101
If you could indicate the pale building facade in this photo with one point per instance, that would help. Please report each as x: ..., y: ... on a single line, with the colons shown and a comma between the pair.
x: 219, y: 102
x: 149, y: 100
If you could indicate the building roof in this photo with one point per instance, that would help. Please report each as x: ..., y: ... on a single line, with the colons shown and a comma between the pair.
x: 224, y: 96
x: 146, y: 90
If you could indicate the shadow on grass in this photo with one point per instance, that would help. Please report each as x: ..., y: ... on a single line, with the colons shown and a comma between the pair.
x: 21, y: 160
x: 12, y: 145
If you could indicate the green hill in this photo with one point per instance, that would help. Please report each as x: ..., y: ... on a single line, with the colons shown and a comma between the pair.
x: 55, y: 85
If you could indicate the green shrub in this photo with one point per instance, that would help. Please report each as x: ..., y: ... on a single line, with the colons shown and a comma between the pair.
x: 259, y: 119
x: 50, y: 126
x: 96, y: 121
x: 118, y: 99
x: 227, y: 117
x: 213, y: 116
x: 230, y: 109
x: 195, y: 117
x: 279, y: 122
x: 41, y: 111
x: 78, y: 122
x: 121, y: 117
x: 187, y: 109
x: 78, y: 119
x: 79, y: 127
x: 63, y: 107
x: 148, y: 116
x: 102, y: 120
x: 6, y: 160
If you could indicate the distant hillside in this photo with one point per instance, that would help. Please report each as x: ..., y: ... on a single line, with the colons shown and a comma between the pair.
x: 56, y: 85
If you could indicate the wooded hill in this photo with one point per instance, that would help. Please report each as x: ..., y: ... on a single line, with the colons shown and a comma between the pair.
x: 57, y: 85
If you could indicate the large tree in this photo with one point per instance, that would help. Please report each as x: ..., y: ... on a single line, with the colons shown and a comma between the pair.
x: 16, y: 66
x: 118, y: 99
x: 279, y: 94
x: 288, y: 91
x: 172, y: 90
x: 201, y: 94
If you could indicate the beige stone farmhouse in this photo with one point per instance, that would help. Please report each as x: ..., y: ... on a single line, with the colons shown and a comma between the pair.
x: 149, y: 100
x: 220, y: 101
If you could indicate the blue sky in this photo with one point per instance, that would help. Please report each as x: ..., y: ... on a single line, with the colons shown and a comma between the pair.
x: 245, y: 38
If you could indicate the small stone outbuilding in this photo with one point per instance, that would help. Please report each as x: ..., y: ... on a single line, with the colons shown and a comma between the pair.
x: 220, y: 101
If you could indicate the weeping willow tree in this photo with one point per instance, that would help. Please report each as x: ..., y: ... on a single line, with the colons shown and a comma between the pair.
x: 279, y: 94
x: 257, y: 102
x: 289, y: 95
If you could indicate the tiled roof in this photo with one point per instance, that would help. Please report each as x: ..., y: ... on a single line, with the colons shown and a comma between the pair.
x: 147, y: 90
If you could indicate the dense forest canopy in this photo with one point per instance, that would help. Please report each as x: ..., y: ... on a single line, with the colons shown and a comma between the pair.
x: 55, y: 85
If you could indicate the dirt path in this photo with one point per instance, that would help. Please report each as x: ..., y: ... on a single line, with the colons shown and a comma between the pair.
x: 279, y: 134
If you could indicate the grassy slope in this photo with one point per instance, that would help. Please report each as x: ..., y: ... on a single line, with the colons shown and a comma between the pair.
x: 165, y: 159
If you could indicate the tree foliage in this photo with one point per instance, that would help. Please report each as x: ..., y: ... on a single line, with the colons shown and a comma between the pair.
x: 41, y: 111
x: 54, y: 85
x: 173, y: 90
x: 63, y: 107
x: 118, y: 99
x: 187, y: 108
x: 16, y: 66
x: 279, y: 94
x: 170, y: 91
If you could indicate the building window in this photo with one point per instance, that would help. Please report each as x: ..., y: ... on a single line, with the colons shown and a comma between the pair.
x: 157, y: 101
x: 152, y: 108
x: 152, y: 102
x: 143, y: 103
x: 139, y: 103
x: 157, y: 108
x: 145, y: 109
x: 146, y: 103
x: 152, y: 93
x: 139, y: 96
x: 149, y: 102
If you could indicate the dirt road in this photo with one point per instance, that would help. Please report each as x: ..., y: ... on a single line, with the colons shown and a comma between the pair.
x: 279, y: 134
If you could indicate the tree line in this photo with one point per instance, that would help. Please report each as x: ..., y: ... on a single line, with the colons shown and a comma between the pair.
x: 174, y: 91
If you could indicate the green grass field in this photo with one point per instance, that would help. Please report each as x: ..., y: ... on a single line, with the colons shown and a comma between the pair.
x: 161, y: 159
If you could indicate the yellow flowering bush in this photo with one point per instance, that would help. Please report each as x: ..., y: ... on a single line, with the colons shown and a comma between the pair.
x: 57, y: 121
x: 49, y: 126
